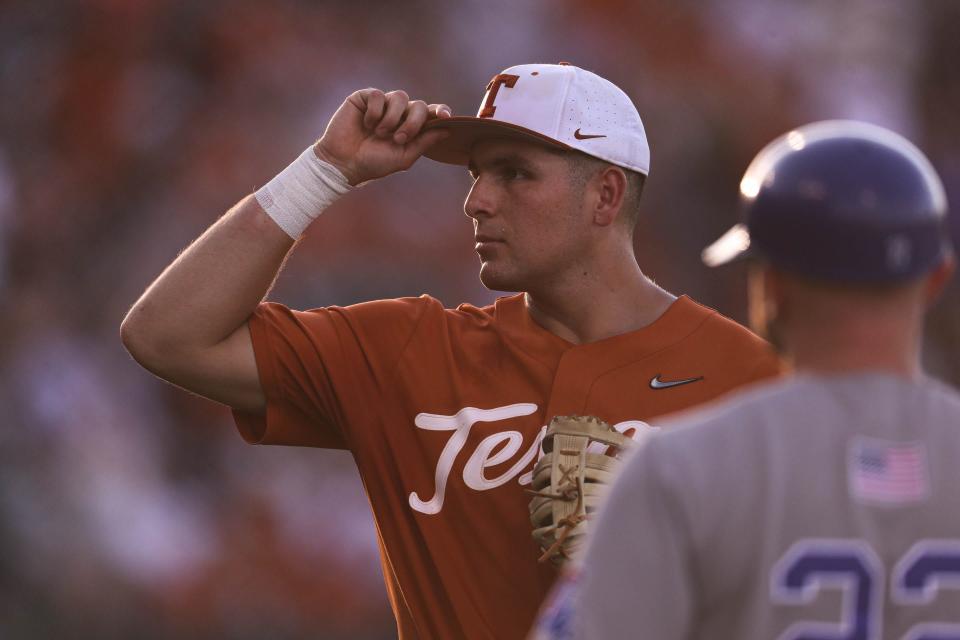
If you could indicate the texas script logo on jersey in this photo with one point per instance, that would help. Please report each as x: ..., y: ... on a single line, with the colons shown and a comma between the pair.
x: 509, y: 443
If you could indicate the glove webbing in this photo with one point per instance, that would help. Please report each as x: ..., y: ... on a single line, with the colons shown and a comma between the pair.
x: 568, y: 489
x: 569, y: 481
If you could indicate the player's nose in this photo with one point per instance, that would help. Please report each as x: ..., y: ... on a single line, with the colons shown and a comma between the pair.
x: 479, y: 202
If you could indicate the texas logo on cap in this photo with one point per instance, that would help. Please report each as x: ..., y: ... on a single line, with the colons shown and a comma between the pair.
x: 560, y: 105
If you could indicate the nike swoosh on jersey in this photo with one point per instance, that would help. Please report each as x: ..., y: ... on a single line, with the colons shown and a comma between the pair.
x: 657, y: 383
x: 586, y: 136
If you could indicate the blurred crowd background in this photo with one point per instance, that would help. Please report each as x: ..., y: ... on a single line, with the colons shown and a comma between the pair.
x: 129, y: 509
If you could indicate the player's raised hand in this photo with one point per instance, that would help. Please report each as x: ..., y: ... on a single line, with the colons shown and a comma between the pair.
x: 374, y: 134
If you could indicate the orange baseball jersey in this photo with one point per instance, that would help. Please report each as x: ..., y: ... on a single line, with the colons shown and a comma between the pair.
x: 443, y: 411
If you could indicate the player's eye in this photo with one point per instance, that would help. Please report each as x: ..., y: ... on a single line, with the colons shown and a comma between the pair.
x: 513, y: 173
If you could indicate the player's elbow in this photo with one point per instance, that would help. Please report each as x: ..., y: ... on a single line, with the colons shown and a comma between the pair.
x: 145, y: 344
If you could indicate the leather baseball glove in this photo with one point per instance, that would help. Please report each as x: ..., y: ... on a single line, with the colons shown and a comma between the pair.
x: 581, y: 454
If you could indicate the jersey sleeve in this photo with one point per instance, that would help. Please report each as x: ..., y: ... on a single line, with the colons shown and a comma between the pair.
x: 635, y: 580
x: 323, y: 370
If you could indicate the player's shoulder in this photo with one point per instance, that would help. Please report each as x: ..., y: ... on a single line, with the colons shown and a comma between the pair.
x: 430, y: 312
x: 932, y: 386
x: 729, y: 348
x: 404, y: 304
x: 728, y: 331
x: 691, y: 446
x: 738, y: 412
x: 403, y: 310
x: 765, y: 404
x: 424, y: 311
x: 940, y: 390
x: 923, y: 397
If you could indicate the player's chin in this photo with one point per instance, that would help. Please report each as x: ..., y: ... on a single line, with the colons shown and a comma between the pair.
x: 496, y: 278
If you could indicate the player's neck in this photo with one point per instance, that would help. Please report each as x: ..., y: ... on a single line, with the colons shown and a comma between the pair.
x: 845, y: 328
x: 619, y: 302
x: 890, y: 351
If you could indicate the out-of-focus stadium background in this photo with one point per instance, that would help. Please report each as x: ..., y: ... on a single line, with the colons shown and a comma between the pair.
x: 130, y: 509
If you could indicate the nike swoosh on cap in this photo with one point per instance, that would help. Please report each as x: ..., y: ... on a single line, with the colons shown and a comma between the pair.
x: 657, y: 383
x: 586, y: 136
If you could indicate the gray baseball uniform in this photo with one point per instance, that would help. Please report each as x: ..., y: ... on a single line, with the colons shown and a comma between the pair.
x: 822, y: 507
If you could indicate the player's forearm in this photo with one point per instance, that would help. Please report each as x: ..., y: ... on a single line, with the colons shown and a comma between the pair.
x: 210, y: 289
x: 188, y: 327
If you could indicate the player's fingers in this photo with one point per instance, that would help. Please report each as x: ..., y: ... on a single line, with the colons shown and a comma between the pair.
x: 396, y: 106
x: 414, y: 118
x: 370, y: 102
x: 438, y: 111
x: 421, y: 143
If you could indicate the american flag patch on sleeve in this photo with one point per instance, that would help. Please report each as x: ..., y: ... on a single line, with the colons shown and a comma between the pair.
x: 885, y: 472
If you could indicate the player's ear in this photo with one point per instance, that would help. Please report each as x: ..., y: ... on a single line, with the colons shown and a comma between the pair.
x: 611, y: 189
x: 937, y: 280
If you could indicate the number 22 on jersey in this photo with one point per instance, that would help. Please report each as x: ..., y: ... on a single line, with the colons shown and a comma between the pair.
x: 853, y: 567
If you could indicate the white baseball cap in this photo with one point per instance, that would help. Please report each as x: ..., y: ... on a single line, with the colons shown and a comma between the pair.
x: 555, y: 104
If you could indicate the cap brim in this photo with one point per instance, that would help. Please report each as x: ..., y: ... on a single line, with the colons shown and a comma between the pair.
x: 732, y: 246
x: 466, y: 131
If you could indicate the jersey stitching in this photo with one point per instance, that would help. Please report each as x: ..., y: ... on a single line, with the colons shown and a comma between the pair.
x: 275, y: 391
x: 313, y: 414
x: 406, y: 345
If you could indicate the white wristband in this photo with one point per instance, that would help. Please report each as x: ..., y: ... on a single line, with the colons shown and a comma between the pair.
x: 300, y: 193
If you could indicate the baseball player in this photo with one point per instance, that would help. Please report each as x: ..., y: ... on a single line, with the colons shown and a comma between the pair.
x: 823, y: 505
x: 444, y: 409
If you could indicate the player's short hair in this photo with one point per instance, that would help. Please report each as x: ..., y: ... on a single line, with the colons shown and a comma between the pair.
x: 584, y: 167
